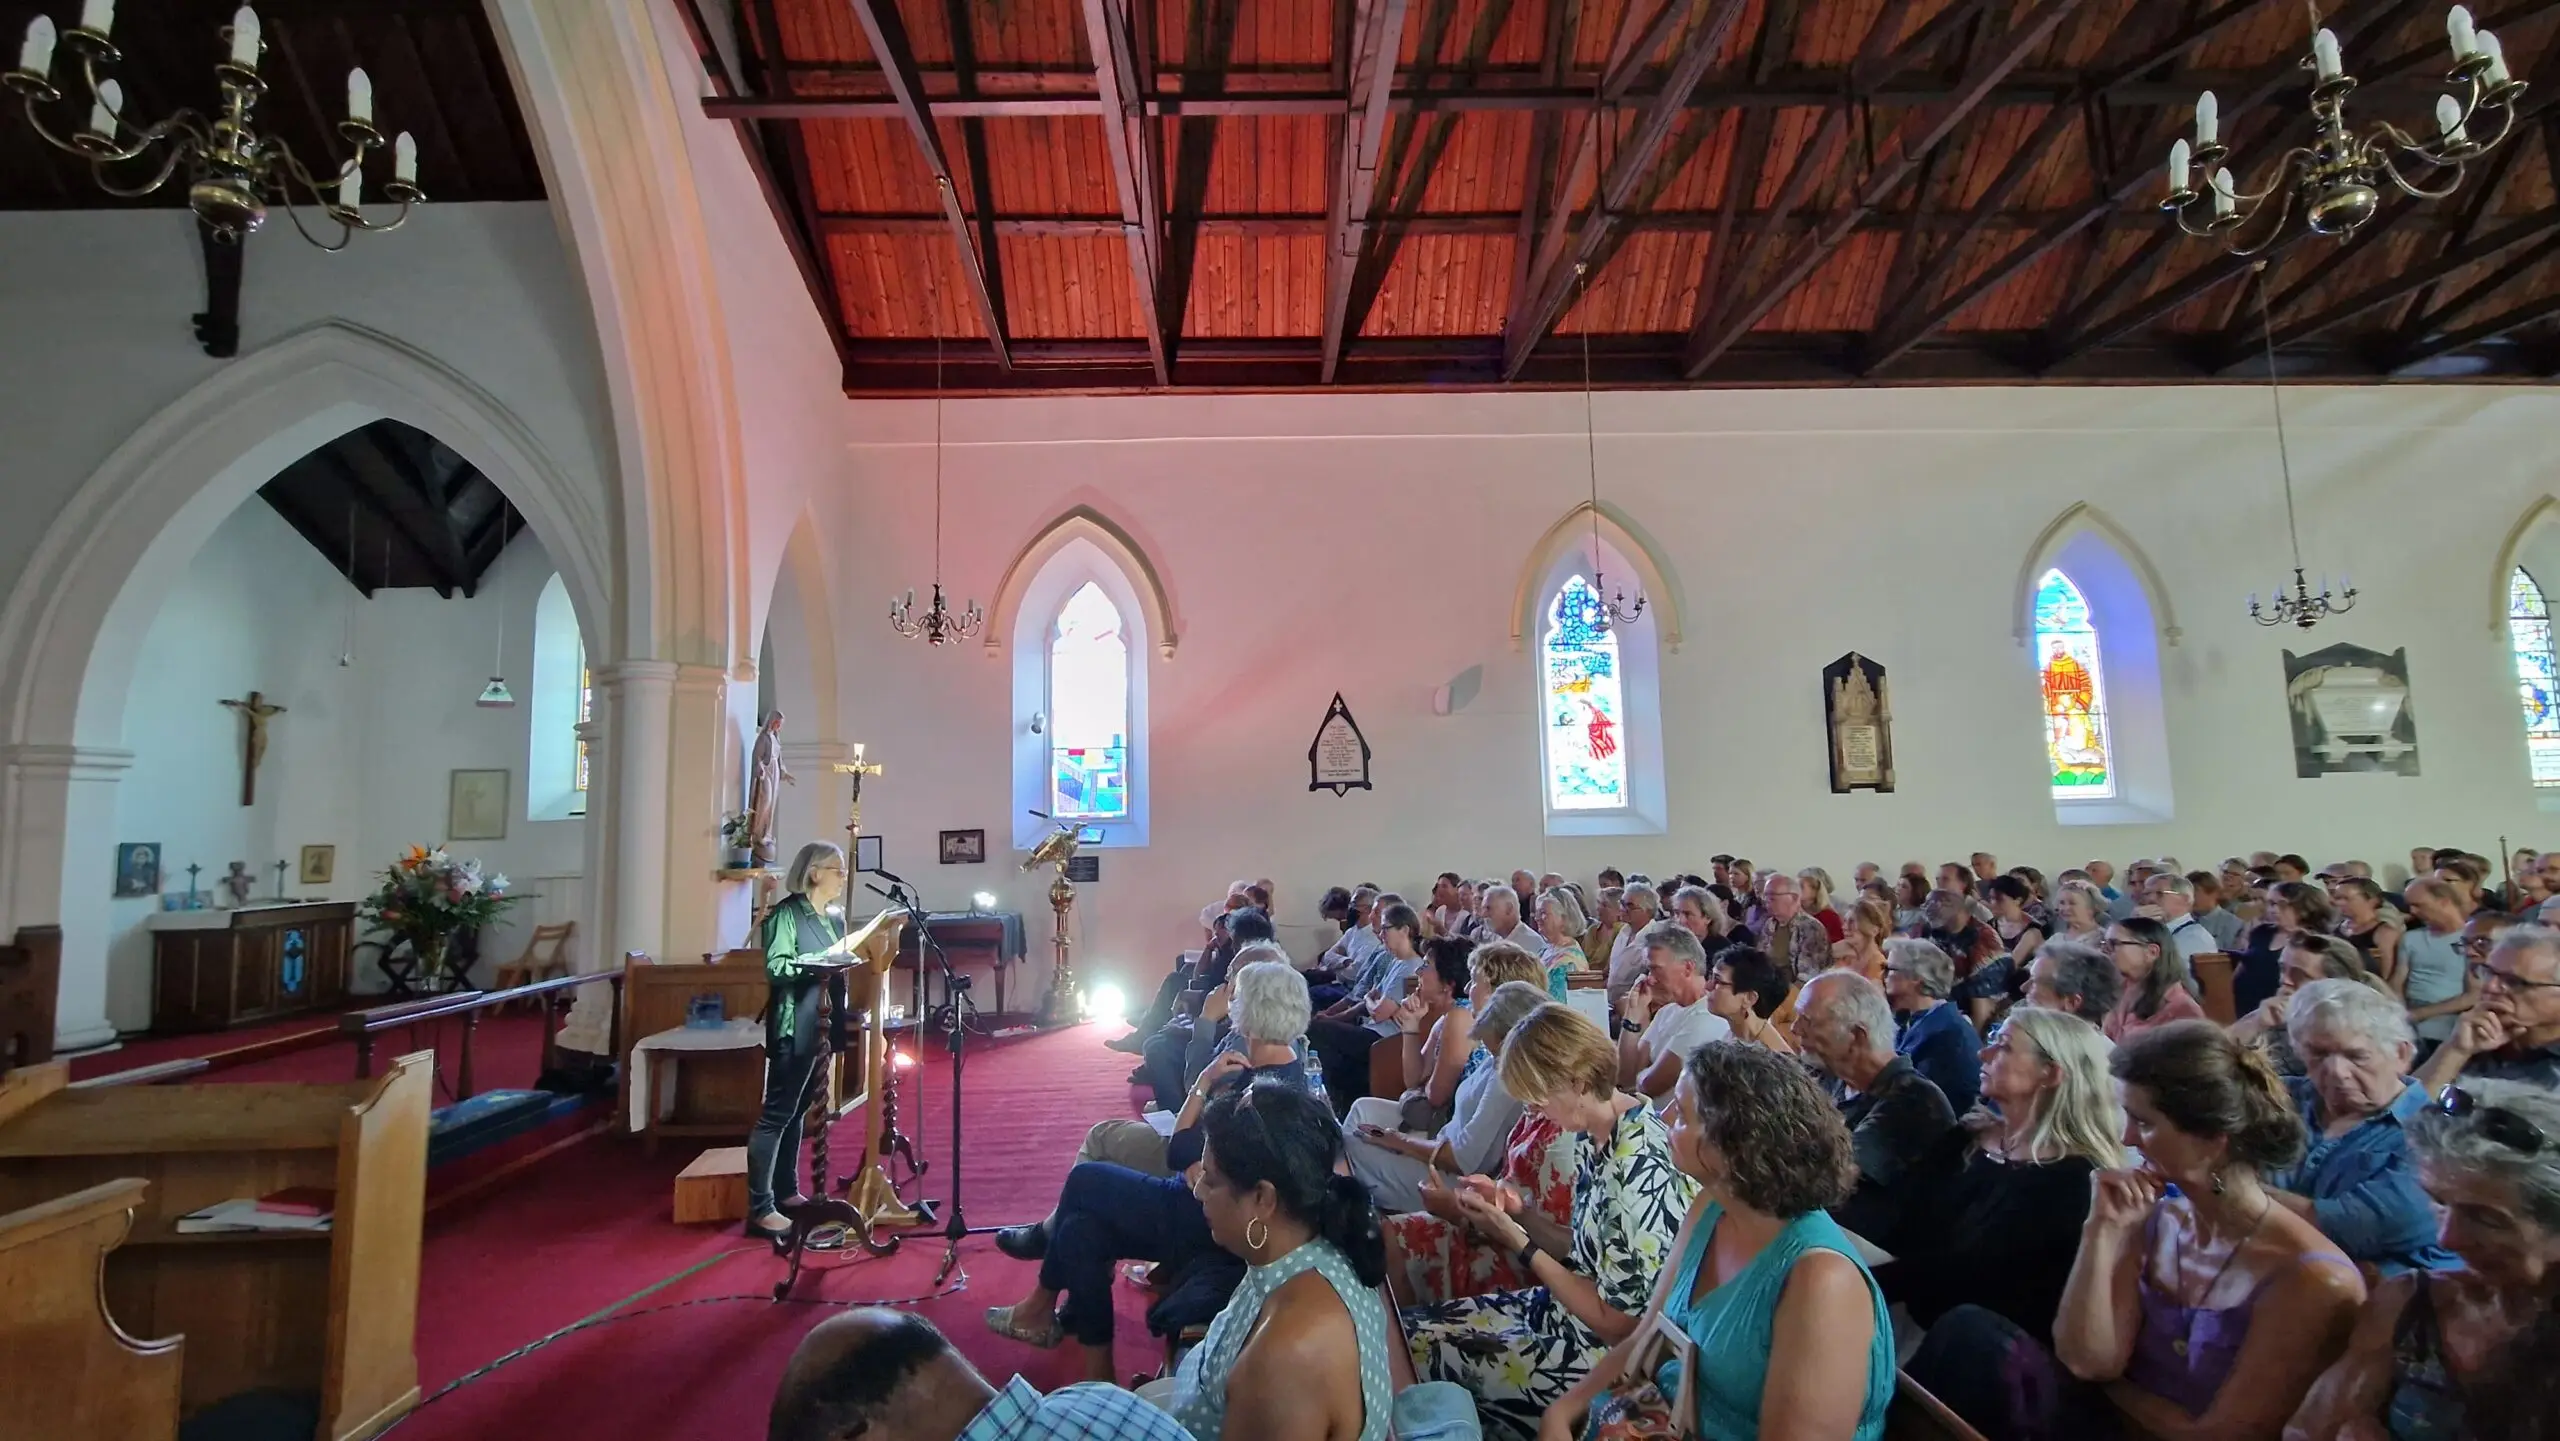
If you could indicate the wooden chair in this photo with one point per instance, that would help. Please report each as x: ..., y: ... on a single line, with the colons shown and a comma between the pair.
x: 1915, y: 1415
x: 2213, y: 970
x: 74, y: 1374
x: 543, y: 959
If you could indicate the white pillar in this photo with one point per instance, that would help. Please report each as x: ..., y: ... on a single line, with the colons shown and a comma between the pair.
x: 637, y: 695
x: 706, y: 768
x: 590, y: 1021
x: 64, y: 876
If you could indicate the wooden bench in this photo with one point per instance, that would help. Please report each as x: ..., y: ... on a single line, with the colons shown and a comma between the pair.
x: 1915, y: 1415
x: 73, y: 1373
x: 2213, y: 971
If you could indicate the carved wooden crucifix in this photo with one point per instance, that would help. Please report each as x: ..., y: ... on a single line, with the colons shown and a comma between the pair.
x: 255, y: 711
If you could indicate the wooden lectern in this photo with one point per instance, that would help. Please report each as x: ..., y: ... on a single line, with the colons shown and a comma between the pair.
x: 869, y: 1211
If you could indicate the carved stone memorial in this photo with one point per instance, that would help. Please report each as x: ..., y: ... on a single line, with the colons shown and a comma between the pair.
x: 1858, y: 715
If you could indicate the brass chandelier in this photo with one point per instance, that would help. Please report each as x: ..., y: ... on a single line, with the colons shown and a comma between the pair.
x: 2337, y: 179
x: 233, y: 171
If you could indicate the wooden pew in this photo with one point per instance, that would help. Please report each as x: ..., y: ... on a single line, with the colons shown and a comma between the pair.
x: 30, y: 972
x: 2213, y: 972
x: 332, y: 1312
x: 73, y: 1374
x: 1915, y: 1415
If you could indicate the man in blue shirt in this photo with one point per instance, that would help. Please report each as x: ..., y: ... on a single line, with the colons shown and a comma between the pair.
x: 882, y: 1373
x: 1932, y: 1031
x: 2357, y: 1181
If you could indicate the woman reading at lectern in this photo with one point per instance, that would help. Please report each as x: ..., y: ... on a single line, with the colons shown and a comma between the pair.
x: 802, y: 928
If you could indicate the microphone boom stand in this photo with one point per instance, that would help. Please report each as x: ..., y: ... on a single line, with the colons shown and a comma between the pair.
x: 956, y: 1009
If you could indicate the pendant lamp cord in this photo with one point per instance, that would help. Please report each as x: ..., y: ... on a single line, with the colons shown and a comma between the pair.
x: 2275, y: 388
x: 935, y: 292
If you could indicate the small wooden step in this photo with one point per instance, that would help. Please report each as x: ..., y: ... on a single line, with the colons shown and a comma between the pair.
x: 714, y: 1187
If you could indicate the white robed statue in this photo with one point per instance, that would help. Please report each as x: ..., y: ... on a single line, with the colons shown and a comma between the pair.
x: 766, y: 775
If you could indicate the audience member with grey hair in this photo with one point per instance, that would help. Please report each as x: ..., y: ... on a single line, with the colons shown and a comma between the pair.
x: 2080, y: 980
x: 1896, y: 1116
x: 2360, y: 1185
x: 1394, y: 1165
x: 2468, y: 1350
x: 2513, y: 1032
x: 1935, y: 1033
x: 1560, y: 927
x: 1666, y: 1016
x: 1641, y: 906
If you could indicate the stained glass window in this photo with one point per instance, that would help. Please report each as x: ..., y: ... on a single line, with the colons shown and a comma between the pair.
x: 1089, y: 709
x: 2537, y: 675
x: 2073, y: 681
x: 1586, y: 741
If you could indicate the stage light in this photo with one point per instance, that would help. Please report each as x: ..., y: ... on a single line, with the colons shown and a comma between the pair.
x: 1106, y: 1003
x: 984, y: 900
x: 902, y: 1060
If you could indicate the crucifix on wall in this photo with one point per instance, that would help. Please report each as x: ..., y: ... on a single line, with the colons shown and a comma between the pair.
x: 255, y: 711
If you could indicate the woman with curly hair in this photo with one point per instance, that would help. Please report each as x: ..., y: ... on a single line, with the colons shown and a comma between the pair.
x: 1790, y: 1332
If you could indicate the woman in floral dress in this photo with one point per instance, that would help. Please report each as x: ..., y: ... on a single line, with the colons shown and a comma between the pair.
x: 1519, y: 1350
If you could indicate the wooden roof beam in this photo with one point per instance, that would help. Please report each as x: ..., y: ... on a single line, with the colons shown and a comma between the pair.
x: 2522, y: 230
x: 2024, y: 38
x: 1552, y: 282
x: 1359, y: 145
x: 2495, y: 328
x: 1128, y: 139
x: 887, y: 32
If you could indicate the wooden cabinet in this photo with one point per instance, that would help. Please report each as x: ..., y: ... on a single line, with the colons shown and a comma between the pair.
x: 216, y: 969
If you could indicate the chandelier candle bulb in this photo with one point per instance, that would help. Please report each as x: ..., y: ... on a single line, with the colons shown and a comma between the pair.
x: 97, y: 16
x: 2226, y: 199
x: 2497, y: 75
x: 102, y: 115
x: 244, y: 38
x: 36, y: 56
x: 2180, y: 172
x: 2325, y: 58
x: 404, y: 159
x: 359, y: 96
x: 351, y: 190
x: 2449, y: 119
x: 2457, y: 27
x: 2208, y: 121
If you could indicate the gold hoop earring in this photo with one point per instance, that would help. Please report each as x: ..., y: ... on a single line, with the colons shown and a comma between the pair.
x: 1253, y: 1242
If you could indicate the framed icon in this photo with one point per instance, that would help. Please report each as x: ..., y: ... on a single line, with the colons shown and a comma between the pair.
x: 319, y: 865
x: 137, y: 869
x: 964, y: 848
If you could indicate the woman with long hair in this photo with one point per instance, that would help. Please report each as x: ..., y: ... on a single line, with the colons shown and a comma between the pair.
x: 2155, y: 979
x: 1816, y: 884
x: 1301, y: 1348
x: 1862, y: 948
x: 2039, y: 898
x: 2293, y: 909
x: 2367, y: 922
x: 1789, y: 1330
x: 1518, y: 1351
x: 801, y: 932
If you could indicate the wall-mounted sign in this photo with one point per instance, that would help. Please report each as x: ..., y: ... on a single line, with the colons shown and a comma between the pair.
x: 1859, y: 713
x: 1339, y: 759
x: 1084, y: 868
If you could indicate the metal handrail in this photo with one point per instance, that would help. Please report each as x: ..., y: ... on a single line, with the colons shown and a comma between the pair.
x: 361, y: 1026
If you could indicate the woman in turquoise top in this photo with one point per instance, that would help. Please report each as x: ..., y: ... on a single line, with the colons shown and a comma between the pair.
x: 1301, y: 1349
x: 1790, y: 1333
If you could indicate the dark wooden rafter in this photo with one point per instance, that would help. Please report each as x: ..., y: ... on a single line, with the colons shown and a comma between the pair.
x: 1208, y: 43
x: 1742, y: 174
x: 437, y: 553
x: 2420, y: 308
x: 973, y: 144
x: 1129, y: 141
x: 2028, y: 35
x: 2497, y: 327
x: 1359, y: 145
x: 1553, y: 281
x: 887, y: 32
x: 1537, y: 195
x: 2521, y: 230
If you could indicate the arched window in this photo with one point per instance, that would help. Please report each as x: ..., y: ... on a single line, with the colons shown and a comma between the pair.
x: 586, y: 712
x: 1584, y: 725
x: 556, y: 771
x: 1089, y: 709
x: 2078, y: 741
x: 2537, y: 675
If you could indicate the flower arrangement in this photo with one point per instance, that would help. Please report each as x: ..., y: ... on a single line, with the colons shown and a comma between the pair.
x: 738, y: 830
x: 427, y: 895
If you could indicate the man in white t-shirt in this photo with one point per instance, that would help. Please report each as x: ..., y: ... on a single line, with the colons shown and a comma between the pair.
x: 1665, y: 1017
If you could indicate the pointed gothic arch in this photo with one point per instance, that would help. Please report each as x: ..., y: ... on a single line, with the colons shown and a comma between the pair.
x: 2122, y: 609
x: 1666, y: 605
x: 1084, y: 523
x: 2083, y: 518
x: 2544, y: 511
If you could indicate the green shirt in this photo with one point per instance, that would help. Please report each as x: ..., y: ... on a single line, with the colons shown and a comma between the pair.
x: 786, y: 962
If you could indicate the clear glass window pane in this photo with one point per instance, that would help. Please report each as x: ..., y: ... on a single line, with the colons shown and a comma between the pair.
x: 1585, y: 710
x: 2077, y: 739
x: 2537, y: 675
x: 586, y: 702
x: 1089, y: 709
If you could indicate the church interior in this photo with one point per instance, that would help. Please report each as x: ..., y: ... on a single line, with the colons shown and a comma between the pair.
x: 715, y: 715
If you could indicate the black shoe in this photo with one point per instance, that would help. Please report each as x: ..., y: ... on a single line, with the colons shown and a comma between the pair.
x: 1023, y: 1243
x: 1132, y: 1044
x: 1138, y: 1077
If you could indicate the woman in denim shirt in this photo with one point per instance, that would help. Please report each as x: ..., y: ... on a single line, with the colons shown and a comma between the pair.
x: 2358, y: 1182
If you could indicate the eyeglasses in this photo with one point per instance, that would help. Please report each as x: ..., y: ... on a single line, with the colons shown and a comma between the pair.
x: 2499, y: 1124
x: 2484, y: 973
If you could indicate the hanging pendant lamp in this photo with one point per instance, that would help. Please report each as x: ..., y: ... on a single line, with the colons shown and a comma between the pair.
x: 495, y: 695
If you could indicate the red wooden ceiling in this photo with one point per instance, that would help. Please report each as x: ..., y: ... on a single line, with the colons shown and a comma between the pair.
x: 1820, y: 199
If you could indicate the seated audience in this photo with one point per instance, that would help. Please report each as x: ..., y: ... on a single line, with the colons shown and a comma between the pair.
x: 1162, y: 1054
x: 2039, y: 897
x: 1608, y: 918
x: 1790, y: 1334
x: 2309, y: 958
x: 2434, y: 968
x: 1256, y: 1014
x: 1931, y: 1030
x: 2373, y: 928
x: 1696, y: 910
x: 1642, y: 906
x: 1789, y: 937
x: 1971, y: 945
x: 2155, y: 980
x: 1861, y: 949
x: 1343, y: 1036
x: 874, y: 1374
x: 2463, y: 1351
x: 1910, y: 899
x: 2513, y: 1033
x: 1560, y: 928
x: 1519, y: 1351
x: 1192, y: 976
x: 1998, y: 1229
x: 1300, y: 1350
x: 1437, y: 1254
x: 2170, y: 899
x: 2210, y: 912
x: 2357, y: 1182
x: 2175, y: 1293
x: 1432, y: 1026
x: 2076, y: 980
x: 1666, y: 1016
x: 1106, y: 1213
x: 1815, y: 882
x: 2079, y: 914
x: 1896, y: 1116
x: 1452, y: 904
x: 1745, y: 990
x: 1500, y: 911
x: 2293, y: 908
x: 1395, y: 1166
x: 2019, y: 932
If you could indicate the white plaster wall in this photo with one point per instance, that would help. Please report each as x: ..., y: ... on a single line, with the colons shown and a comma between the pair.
x: 362, y: 755
x: 1371, y: 544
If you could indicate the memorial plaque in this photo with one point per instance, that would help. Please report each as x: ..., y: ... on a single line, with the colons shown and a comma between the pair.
x: 1339, y: 758
x: 1858, y: 713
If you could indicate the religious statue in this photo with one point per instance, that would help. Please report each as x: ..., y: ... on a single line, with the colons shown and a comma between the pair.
x: 1860, y: 720
x: 255, y: 710
x: 766, y: 775
x: 237, y: 884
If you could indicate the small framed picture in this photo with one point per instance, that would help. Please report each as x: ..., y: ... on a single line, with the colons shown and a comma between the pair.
x: 477, y: 806
x: 867, y: 854
x: 137, y: 869
x: 319, y: 865
x: 964, y: 848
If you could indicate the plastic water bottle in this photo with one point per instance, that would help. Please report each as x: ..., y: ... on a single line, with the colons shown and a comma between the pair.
x: 1315, y: 1075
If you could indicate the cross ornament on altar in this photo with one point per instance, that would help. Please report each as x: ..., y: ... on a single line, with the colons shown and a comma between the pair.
x: 856, y: 768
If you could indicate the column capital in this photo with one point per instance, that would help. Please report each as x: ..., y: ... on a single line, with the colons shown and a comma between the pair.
x: 630, y: 673
x: 700, y: 679
x: 73, y: 762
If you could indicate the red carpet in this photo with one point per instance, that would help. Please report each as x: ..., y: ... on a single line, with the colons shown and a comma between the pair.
x: 583, y: 1230
x: 507, y: 1053
x: 139, y: 1051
